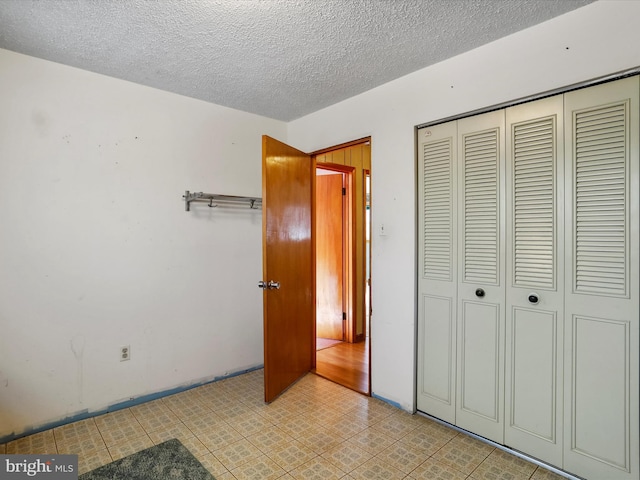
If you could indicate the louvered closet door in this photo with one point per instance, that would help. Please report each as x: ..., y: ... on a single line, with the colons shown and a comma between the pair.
x: 437, y: 279
x: 481, y: 293
x: 601, y: 335
x: 535, y: 284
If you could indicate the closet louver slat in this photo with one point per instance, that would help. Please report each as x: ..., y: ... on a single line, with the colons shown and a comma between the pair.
x: 438, y: 208
x: 480, y: 158
x: 534, y: 203
x: 600, y: 200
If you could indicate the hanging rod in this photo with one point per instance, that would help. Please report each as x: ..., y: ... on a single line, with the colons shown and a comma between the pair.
x: 254, y: 202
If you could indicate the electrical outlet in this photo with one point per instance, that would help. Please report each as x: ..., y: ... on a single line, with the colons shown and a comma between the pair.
x: 125, y: 353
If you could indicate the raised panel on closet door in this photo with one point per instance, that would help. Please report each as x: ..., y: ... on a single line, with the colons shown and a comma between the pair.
x: 534, y: 287
x: 602, y: 281
x: 481, y: 292
x: 437, y: 273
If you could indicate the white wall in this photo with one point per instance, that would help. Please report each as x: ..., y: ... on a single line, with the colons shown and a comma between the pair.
x: 96, y: 250
x: 596, y: 40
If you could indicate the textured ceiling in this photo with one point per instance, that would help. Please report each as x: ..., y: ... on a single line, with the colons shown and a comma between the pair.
x: 278, y: 58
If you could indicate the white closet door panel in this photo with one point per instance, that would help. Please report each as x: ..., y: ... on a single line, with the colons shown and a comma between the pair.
x: 480, y: 352
x: 437, y: 357
x: 481, y: 294
x: 437, y: 276
x: 532, y: 396
x: 601, y: 379
x: 534, y: 330
x: 602, y: 282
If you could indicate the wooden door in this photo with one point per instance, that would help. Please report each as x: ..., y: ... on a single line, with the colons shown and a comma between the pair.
x: 329, y: 256
x: 535, y: 281
x: 288, y: 260
x: 481, y: 293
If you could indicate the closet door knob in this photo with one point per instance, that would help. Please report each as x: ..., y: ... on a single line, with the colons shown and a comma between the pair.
x: 479, y: 292
x: 533, y: 298
x: 262, y: 284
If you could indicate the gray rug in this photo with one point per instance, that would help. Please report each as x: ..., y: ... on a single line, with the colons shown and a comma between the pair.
x: 169, y: 460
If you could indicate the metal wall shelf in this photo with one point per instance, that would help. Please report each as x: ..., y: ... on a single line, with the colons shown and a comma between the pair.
x: 220, y: 200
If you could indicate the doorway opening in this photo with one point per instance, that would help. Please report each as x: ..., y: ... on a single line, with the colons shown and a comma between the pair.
x: 343, y: 295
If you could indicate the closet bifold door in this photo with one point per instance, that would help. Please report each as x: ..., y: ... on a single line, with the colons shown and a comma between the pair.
x: 602, y: 314
x: 481, y: 279
x: 534, y: 293
x: 437, y: 278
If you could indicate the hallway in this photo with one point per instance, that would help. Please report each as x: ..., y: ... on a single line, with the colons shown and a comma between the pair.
x: 346, y: 364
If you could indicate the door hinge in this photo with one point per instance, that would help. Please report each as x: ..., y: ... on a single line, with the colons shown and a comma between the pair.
x: 344, y: 315
x: 344, y: 191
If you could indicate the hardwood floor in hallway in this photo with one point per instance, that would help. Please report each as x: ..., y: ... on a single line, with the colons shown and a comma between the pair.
x: 346, y: 364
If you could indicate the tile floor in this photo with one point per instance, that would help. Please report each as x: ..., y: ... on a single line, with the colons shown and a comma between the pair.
x: 315, y: 430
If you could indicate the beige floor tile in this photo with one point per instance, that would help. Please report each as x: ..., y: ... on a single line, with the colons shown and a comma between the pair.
x: 425, y: 442
x: 297, y: 426
x: 219, y: 437
x: 353, y: 400
x: 292, y: 455
x: 324, y: 415
x: 147, y: 408
x: 261, y: 468
x: 155, y: 418
x: 434, y: 470
x: 43, y: 442
x: 373, y: 441
x: 196, y: 447
x: 178, y: 430
x: 296, y: 402
x: 377, y: 468
x: 84, y: 446
x: 320, y: 440
x: 437, y: 429
x: 463, y: 453
x: 235, y: 410
x: 347, y: 425
x: 274, y: 411
x: 491, y: 471
x: 402, y: 456
x: 129, y: 446
x: 118, y: 427
x: 347, y: 457
x: 204, y: 424
x: 469, y: 442
x: 114, y: 435
x: 114, y: 419
x: 92, y: 460
x: 317, y: 468
x: 372, y: 413
x: 189, y: 411
x: 217, y: 401
x: 249, y: 424
x: 237, y: 454
x: 505, y: 460
x: 270, y: 439
x: 544, y: 474
x: 397, y: 425
x: 213, y: 465
x: 76, y: 430
x: 226, y: 476
x: 81, y: 437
